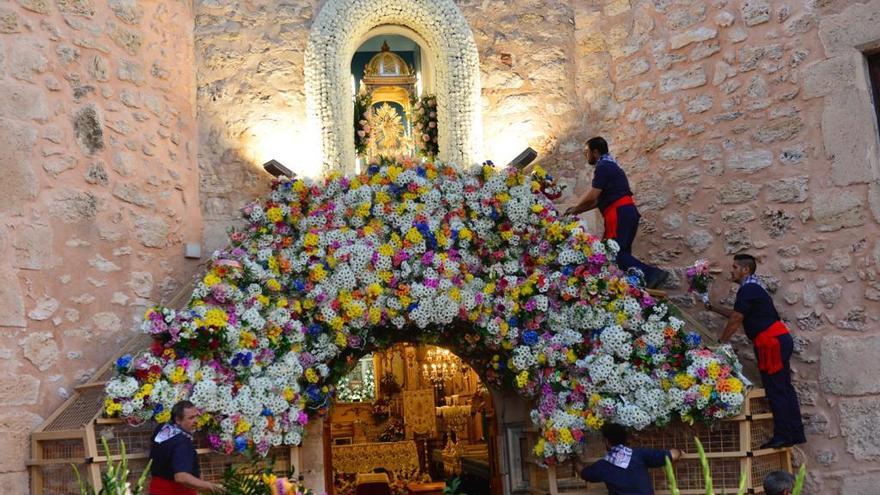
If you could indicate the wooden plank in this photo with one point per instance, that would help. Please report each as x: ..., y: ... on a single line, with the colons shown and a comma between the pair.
x: 67, y: 461
x: 42, y: 436
x: 93, y: 470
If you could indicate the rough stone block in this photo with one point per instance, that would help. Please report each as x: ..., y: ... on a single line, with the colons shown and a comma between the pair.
x: 779, y: 130
x: 18, y: 183
x: 860, y: 418
x: 854, y: 155
x: 38, y: 6
x: 72, y: 206
x: 630, y: 69
x: 33, y: 247
x: 40, y: 349
x: 855, y: 26
x: 844, y: 369
x: 678, y: 80
x: 788, y: 190
x: 750, y: 161
x: 151, y: 231
x: 863, y: 484
x: 692, y: 36
x: 131, y: 193
x: 755, y: 12
x: 837, y: 209
x: 127, y: 39
x: 88, y: 130
x: 11, y: 300
x: 23, y: 102
x: 738, y: 192
x: 821, y: 78
x: 10, y: 21
x: 130, y: 71
x: 699, y: 241
x: 127, y: 10
x: 85, y: 8
x: 14, y: 483
x: 18, y: 389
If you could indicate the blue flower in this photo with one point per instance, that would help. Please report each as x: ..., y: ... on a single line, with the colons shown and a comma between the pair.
x: 314, y: 329
x: 530, y: 337
x: 299, y: 285
x: 567, y: 270
x: 412, y: 306
x: 266, y: 411
x: 240, y: 443
x: 313, y: 393
x: 242, y: 359
x: 692, y: 339
x: 420, y: 171
x: 373, y: 169
x: 652, y: 350
x: 123, y: 363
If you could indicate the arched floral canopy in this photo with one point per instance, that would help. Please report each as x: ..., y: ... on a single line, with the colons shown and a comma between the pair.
x: 478, y: 260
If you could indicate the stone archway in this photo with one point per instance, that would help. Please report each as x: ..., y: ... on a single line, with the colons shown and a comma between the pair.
x: 342, y: 25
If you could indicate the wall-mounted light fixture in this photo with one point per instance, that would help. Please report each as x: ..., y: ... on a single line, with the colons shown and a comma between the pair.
x: 523, y: 159
x: 275, y: 168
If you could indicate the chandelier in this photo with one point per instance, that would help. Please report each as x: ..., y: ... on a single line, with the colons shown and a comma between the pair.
x: 440, y: 365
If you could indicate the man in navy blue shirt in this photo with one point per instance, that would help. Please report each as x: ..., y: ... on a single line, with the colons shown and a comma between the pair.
x: 624, y: 469
x: 773, y: 345
x: 175, y: 467
x: 610, y: 193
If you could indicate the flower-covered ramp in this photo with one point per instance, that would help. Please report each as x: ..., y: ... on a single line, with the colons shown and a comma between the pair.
x: 477, y: 260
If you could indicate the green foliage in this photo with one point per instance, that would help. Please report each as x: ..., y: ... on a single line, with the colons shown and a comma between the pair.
x: 114, y: 480
x: 799, y: 480
x: 452, y: 486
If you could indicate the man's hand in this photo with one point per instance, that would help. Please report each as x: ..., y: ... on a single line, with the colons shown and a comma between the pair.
x: 215, y: 488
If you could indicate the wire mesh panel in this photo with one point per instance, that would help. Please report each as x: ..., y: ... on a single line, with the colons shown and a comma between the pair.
x: 136, y: 438
x: 718, y: 437
x: 761, y: 431
x: 758, y: 404
x: 59, y: 479
x: 763, y: 465
x: 81, y: 411
x: 73, y: 448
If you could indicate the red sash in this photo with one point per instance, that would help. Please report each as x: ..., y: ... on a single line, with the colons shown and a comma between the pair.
x: 769, y: 350
x: 162, y: 486
x: 610, y: 216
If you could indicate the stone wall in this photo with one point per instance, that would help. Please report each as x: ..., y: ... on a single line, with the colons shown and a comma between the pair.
x: 747, y: 126
x: 98, y: 182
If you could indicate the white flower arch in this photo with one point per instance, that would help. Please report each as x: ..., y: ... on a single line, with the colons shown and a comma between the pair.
x: 343, y: 25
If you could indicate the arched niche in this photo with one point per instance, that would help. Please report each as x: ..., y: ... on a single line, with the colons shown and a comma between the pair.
x: 451, y: 71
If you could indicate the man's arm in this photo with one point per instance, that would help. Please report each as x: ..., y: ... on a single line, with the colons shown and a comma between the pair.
x: 190, y: 481
x: 587, y: 202
x: 733, y: 324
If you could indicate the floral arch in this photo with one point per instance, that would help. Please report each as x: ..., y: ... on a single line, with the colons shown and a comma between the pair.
x: 479, y: 260
x: 343, y: 25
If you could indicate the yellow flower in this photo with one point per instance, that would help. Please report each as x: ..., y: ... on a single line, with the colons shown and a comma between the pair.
x: 684, y: 381
x: 273, y: 264
x: 337, y: 323
x: 572, y: 357
x: 466, y: 234
x: 413, y: 235
x: 216, y: 318
x: 375, y: 315
x: 311, y: 239
x: 288, y: 394
x: 374, y: 290
x: 537, y: 208
x: 264, y: 300
x: 111, y: 408
x: 318, y: 273
x: 274, y: 214
x: 363, y: 210
x: 565, y: 435
x: 163, y: 416
x: 714, y: 370
x: 341, y: 340
x: 539, y: 447
x: 705, y: 391
x: 386, y: 250
x: 178, y: 375
x: 522, y: 379
x: 211, y: 279
x: 594, y: 422
x: 312, y: 375
x: 247, y: 340
x: 273, y: 285
x: 242, y: 426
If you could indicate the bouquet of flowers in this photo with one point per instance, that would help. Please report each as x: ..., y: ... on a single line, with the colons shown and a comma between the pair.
x: 381, y: 410
x: 362, y: 103
x: 394, y: 431
x: 426, y: 126
x: 388, y: 384
x: 699, y: 279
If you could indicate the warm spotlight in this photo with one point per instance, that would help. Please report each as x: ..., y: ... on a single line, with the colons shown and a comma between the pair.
x: 524, y: 159
x: 275, y: 168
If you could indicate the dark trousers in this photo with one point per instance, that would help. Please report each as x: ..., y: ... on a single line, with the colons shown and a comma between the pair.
x: 787, y: 424
x: 627, y: 226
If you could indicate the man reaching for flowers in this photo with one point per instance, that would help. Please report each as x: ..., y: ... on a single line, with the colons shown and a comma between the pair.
x: 624, y: 469
x: 175, y: 468
x: 755, y: 312
x: 610, y: 193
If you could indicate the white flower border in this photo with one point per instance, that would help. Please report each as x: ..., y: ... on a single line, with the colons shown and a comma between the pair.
x: 340, y: 28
